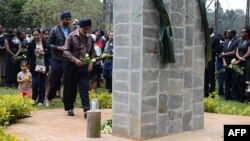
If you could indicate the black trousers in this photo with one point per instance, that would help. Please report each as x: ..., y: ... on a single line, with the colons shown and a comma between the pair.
x: 74, y: 75
x: 229, y: 83
x: 55, y: 78
x: 209, y: 81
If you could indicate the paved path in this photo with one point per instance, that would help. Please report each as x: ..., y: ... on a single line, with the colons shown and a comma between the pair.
x: 55, y: 125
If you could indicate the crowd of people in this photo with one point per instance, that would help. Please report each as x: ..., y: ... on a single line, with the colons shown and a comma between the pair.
x: 230, y: 64
x: 40, y: 64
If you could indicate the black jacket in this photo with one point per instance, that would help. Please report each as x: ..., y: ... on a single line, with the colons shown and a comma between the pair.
x: 56, y: 39
x: 31, y: 57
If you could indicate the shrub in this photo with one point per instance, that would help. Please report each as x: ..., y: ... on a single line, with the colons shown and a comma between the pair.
x: 246, y: 112
x: 13, y: 108
x: 211, y: 103
x: 227, y: 109
x: 6, y: 137
x: 104, y: 99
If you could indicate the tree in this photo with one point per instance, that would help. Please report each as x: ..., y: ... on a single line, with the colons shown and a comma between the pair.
x: 46, y: 13
x: 10, y: 13
x: 230, y: 19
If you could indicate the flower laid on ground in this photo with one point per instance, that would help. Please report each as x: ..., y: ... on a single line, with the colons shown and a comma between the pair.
x: 107, y: 127
x: 86, y: 59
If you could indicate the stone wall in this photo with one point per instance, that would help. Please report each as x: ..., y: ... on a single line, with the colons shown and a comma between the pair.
x: 151, y: 99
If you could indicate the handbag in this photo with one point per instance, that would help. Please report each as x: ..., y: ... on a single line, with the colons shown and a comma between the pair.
x: 40, y: 68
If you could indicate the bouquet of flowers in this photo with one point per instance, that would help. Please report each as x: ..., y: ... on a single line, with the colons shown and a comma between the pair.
x: 236, y: 67
x: 108, y: 57
x: 86, y: 59
x: 21, y: 57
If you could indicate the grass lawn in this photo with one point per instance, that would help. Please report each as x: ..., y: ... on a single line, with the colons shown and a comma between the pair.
x: 240, y: 106
x: 56, y: 103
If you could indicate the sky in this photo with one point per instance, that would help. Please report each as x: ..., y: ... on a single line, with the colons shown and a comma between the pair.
x: 231, y: 4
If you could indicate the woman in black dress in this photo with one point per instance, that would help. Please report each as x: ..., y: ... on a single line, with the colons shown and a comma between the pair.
x: 13, y: 65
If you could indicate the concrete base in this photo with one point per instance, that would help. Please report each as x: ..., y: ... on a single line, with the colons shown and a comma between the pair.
x: 93, y: 124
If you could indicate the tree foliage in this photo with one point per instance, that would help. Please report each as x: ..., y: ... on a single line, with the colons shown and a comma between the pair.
x: 46, y: 13
x: 229, y: 19
x: 10, y: 12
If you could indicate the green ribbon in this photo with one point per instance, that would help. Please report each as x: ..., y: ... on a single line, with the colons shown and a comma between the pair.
x: 208, y: 51
x: 165, y: 35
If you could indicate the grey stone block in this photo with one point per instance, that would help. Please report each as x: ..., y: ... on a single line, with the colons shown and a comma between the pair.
x: 178, y: 45
x: 120, y: 120
x: 150, y: 61
x: 198, y: 109
x: 179, y: 63
x: 148, y: 131
x: 176, y: 73
x: 162, y: 124
x: 189, y: 36
x: 175, y: 114
x: 150, y: 75
x: 151, y: 18
x: 119, y: 108
x: 175, y: 126
x: 198, y: 95
x: 150, y: 32
x: 135, y: 82
x: 122, y: 52
x: 149, y: 105
x: 136, y: 36
x: 120, y: 86
x: 175, y: 86
x: 187, y: 121
x: 120, y: 97
x: 136, y: 12
x: 150, y: 46
x: 119, y: 130
x: 177, y: 19
x: 121, y: 75
x: 121, y: 40
x: 177, y: 6
x: 134, y: 127
x: 198, y: 122
x: 189, y: 18
x: 121, y: 6
x: 121, y: 18
x: 148, y: 5
x: 178, y: 33
x: 163, y: 103
x: 188, y: 100
x: 188, y: 79
x: 163, y: 80
x: 148, y: 118
x: 135, y: 61
x: 121, y: 29
x: 149, y: 89
x: 188, y: 58
x: 175, y: 102
x: 134, y: 104
x: 199, y: 52
x: 119, y: 63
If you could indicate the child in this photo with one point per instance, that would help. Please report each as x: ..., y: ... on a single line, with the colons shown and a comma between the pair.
x: 24, y: 80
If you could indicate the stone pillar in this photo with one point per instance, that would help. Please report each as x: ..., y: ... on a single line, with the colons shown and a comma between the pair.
x: 151, y: 99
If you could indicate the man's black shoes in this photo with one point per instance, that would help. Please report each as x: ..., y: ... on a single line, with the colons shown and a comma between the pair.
x: 71, y: 112
x: 85, y: 115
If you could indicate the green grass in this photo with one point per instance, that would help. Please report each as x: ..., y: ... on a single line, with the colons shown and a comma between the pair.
x: 240, y: 106
x: 56, y: 103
